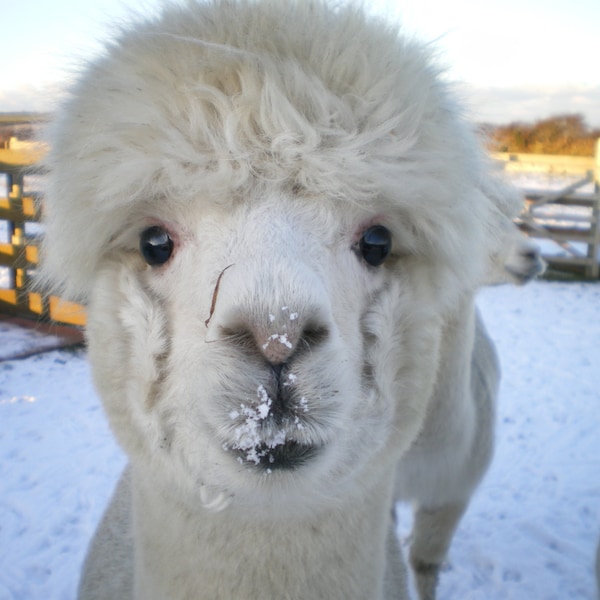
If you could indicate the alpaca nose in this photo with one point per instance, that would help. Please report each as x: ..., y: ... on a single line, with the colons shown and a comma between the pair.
x: 279, y: 334
x: 277, y: 347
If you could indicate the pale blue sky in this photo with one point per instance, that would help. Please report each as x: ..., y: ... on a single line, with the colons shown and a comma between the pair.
x: 515, y: 59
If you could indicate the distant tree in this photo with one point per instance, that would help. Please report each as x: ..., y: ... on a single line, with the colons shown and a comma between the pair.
x: 560, y: 134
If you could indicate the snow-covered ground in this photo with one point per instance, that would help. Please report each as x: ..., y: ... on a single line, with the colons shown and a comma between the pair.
x: 529, y: 534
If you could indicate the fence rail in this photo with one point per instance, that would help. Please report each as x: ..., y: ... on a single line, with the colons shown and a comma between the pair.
x: 569, y: 217
x: 546, y: 163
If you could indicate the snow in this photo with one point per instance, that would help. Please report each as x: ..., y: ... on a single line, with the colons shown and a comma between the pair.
x: 58, y: 462
x: 530, y: 532
x: 24, y: 341
x: 536, y: 181
x: 282, y: 338
x: 248, y: 435
x: 290, y: 380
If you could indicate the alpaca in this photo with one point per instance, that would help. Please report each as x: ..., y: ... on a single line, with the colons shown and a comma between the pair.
x: 278, y: 220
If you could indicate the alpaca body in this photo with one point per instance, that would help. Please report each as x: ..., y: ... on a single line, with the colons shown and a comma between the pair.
x: 441, y: 470
x: 232, y: 556
x: 279, y: 221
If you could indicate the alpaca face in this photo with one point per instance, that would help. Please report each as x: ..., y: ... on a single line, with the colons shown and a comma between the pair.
x: 264, y: 348
x: 276, y: 227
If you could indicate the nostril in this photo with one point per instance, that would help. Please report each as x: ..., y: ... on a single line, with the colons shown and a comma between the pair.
x: 314, y: 334
x: 238, y: 336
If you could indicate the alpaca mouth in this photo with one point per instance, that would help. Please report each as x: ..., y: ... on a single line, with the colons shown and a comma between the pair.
x: 288, y: 455
x: 272, y: 432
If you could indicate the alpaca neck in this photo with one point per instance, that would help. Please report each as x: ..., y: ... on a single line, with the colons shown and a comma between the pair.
x: 334, y: 554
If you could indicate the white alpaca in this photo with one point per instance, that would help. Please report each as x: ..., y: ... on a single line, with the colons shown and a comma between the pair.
x: 279, y: 222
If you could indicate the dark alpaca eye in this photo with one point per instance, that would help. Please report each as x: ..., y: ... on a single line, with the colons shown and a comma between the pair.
x: 375, y: 245
x: 156, y: 245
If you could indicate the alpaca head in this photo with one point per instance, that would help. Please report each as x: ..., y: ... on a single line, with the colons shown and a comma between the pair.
x: 271, y: 209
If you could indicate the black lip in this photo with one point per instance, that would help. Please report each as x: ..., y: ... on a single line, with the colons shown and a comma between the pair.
x: 289, y: 456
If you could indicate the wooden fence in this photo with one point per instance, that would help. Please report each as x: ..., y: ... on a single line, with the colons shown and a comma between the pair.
x: 567, y: 216
x: 19, y: 237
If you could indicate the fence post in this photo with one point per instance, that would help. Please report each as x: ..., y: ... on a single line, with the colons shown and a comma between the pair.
x: 597, y: 167
x: 594, y: 248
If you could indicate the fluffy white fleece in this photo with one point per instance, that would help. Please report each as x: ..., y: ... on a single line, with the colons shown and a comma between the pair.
x: 274, y: 391
x: 206, y: 104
